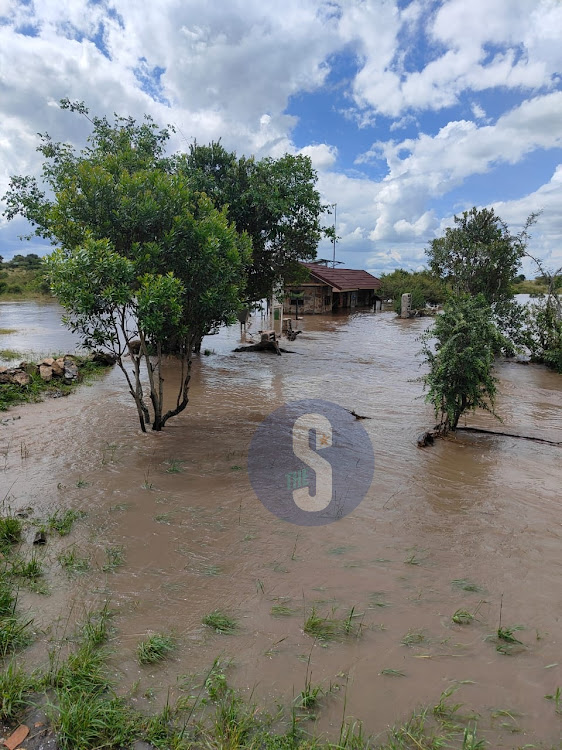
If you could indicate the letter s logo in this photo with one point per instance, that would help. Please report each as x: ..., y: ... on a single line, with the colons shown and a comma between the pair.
x: 322, y: 468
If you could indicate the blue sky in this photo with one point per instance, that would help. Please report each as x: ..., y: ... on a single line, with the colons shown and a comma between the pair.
x: 410, y: 111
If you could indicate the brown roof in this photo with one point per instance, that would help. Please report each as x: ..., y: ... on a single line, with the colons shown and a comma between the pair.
x: 343, y: 279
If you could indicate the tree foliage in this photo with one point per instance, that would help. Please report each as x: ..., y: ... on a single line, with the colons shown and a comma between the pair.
x: 543, y: 331
x: 459, y: 350
x: 274, y: 200
x: 143, y: 259
x: 480, y: 255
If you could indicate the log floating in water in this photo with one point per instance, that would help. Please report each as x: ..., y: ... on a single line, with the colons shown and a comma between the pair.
x: 508, y: 434
x: 265, y: 346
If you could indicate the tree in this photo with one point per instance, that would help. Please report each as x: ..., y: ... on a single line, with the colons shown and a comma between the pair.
x: 460, y: 377
x: 543, y: 318
x: 274, y: 200
x: 480, y: 255
x: 143, y: 259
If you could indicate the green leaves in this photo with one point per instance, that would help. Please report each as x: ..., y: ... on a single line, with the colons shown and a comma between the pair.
x: 460, y: 375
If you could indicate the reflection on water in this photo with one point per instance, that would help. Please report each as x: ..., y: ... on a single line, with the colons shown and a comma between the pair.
x: 37, y: 329
x: 481, y: 508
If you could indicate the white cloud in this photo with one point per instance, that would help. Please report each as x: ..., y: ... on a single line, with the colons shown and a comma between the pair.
x: 323, y: 156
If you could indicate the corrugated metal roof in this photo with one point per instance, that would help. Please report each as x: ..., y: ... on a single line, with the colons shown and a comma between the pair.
x: 344, y: 278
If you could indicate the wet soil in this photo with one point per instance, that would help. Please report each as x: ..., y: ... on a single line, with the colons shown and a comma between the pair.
x: 195, y: 538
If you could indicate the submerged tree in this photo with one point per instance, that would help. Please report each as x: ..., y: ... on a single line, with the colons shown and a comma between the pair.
x: 481, y: 256
x: 143, y: 259
x: 465, y: 341
x: 274, y: 200
x: 543, y: 331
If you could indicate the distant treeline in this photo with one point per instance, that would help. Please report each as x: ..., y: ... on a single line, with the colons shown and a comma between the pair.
x: 23, y: 276
x: 426, y: 288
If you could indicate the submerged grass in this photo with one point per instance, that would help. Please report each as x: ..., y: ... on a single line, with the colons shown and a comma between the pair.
x: 62, y: 521
x: 221, y: 622
x: 73, y: 562
x: 154, y: 648
x: 327, y: 628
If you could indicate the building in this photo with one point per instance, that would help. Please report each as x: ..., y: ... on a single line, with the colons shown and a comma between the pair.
x: 328, y: 289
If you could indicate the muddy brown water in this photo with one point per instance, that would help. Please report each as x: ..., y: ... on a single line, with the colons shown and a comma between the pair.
x: 481, y: 508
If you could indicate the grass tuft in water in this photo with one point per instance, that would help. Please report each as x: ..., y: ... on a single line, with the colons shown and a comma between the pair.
x: 282, y: 610
x: 220, y: 622
x: 393, y: 672
x: 464, y: 585
x: 156, y: 647
x: 62, y: 522
x: 175, y: 466
x: 15, y: 687
x: 10, y: 531
x: 73, y: 562
x: 414, y: 638
x: 115, y: 558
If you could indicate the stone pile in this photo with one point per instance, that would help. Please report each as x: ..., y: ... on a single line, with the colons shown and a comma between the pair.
x: 63, y: 368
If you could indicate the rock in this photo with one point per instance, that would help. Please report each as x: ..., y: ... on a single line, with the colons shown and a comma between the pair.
x: 46, y: 372
x: 40, y: 538
x: 47, y: 361
x: 5, y: 377
x: 425, y: 439
x: 21, y: 378
x: 58, y: 369
x: 3, y: 370
x: 70, y: 370
x: 104, y: 358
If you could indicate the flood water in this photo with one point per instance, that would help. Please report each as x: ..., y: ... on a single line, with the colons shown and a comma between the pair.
x: 478, y: 508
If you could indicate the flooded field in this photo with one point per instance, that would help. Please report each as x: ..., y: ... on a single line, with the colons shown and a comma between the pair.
x: 474, y: 523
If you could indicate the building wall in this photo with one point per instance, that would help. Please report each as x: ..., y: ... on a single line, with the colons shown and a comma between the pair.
x: 311, y: 299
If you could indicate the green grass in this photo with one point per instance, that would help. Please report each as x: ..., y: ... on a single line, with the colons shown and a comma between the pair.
x: 282, y: 610
x: 462, y: 617
x: 156, y: 647
x: 7, y: 331
x: 328, y: 628
x: 506, y: 634
x: 174, y: 466
x: 221, y: 622
x: 63, y: 521
x: 15, y: 689
x: 14, y: 634
x: 115, y: 558
x: 393, y: 672
x: 73, y: 562
x: 10, y: 354
x: 31, y: 569
x: 414, y: 638
x: 10, y: 531
x: 464, y: 585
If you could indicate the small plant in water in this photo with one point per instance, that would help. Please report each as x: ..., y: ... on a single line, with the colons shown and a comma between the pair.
x: 114, y: 559
x: 393, y: 672
x: 414, y: 638
x: 81, y: 483
x: 557, y: 698
x: 10, y: 530
x: 464, y: 585
x: 174, y: 466
x: 220, y: 622
x: 155, y: 648
x: 73, y: 562
x: 62, y: 522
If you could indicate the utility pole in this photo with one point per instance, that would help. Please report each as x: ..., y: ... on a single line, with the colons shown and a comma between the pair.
x: 335, y: 207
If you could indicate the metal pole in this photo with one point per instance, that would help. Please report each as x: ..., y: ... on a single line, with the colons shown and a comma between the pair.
x: 335, y: 206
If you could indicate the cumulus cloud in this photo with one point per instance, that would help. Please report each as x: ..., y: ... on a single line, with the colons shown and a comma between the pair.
x: 232, y: 71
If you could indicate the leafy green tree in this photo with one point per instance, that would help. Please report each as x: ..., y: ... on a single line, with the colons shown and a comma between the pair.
x: 274, y: 200
x: 143, y: 259
x: 480, y: 255
x: 543, y: 319
x: 459, y: 349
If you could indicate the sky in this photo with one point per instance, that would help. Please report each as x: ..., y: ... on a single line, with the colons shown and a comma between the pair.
x: 411, y: 111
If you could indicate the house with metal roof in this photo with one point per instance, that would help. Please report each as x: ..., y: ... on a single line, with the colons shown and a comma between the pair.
x: 329, y: 289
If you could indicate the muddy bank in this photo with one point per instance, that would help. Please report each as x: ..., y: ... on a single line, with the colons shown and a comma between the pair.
x: 479, y: 509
